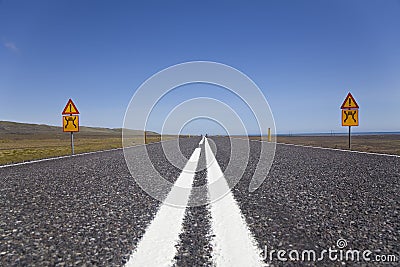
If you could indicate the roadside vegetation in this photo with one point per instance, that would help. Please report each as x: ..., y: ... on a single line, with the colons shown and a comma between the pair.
x: 21, y: 142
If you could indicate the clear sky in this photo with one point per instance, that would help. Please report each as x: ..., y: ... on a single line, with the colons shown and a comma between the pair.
x: 304, y: 55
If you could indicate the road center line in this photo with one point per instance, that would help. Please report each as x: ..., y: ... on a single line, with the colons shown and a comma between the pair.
x: 157, y: 246
x: 233, y: 244
x: 202, y: 140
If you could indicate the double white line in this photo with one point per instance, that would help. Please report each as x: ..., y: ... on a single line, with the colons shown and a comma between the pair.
x: 233, y: 244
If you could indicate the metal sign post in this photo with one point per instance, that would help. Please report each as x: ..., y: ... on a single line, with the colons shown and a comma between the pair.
x: 72, y: 143
x: 349, y: 137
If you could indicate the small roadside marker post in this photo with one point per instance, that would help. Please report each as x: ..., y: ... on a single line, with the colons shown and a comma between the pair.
x: 269, y: 135
x: 349, y: 114
x: 70, y: 121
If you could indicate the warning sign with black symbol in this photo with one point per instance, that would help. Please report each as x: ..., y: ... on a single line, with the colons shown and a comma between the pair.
x: 70, y: 108
x: 349, y: 117
x: 349, y: 102
x: 70, y: 123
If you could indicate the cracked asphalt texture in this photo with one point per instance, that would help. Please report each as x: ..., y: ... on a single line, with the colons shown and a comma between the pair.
x: 87, y: 209
x: 82, y: 210
x: 313, y: 197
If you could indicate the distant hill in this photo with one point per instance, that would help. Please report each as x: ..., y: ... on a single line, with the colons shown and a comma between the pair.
x: 16, y: 128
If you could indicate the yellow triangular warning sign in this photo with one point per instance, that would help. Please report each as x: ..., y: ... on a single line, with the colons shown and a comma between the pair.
x: 349, y: 102
x: 70, y: 108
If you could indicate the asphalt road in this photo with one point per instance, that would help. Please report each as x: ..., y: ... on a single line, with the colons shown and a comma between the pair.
x: 87, y: 209
x: 314, y: 197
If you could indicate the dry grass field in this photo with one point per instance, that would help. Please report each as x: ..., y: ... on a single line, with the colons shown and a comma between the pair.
x: 21, y: 142
x: 19, y: 148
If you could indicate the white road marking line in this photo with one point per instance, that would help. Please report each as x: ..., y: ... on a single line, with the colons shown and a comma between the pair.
x: 343, y: 150
x: 329, y: 148
x: 54, y: 158
x: 202, y: 141
x: 233, y: 244
x: 157, y: 246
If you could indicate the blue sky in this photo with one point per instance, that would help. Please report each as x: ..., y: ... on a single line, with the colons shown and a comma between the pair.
x: 304, y: 55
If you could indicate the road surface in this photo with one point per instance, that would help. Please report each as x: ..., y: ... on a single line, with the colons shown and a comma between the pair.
x: 88, y: 210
